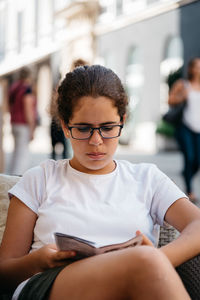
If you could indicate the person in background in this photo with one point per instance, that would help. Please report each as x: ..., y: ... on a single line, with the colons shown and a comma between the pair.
x: 188, y: 131
x: 100, y: 199
x: 78, y: 63
x: 57, y: 137
x: 56, y: 132
x: 23, y: 113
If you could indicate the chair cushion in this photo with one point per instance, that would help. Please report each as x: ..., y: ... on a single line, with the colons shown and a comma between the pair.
x: 6, y: 182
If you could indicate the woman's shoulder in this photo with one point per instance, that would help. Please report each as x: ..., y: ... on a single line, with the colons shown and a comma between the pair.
x: 51, y: 166
x: 51, y: 163
x: 45, y: 168
x: 144, y: 173
x: 141, y: 167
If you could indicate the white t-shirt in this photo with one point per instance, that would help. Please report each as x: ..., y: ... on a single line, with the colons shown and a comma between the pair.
x: 191, y: 112
x: 105, y: 209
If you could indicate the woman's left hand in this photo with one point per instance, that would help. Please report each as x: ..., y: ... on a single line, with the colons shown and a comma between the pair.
x: 145, y: 241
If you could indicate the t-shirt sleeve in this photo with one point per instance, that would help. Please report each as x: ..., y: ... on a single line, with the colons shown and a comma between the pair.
x: 165, y: 193
x: 30, y: 189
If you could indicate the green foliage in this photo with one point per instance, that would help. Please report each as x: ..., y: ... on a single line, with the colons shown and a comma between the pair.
x: 165, y: 128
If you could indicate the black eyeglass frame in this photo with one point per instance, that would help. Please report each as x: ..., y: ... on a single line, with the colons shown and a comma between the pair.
x: 96, y: 128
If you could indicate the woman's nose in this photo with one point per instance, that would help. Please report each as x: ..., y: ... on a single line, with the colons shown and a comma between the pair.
x: 96, y: 138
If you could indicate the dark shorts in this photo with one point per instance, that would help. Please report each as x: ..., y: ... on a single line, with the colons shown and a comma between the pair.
x: 39, y: 286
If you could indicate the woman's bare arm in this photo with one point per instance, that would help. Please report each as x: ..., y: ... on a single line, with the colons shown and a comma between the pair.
x: 185, y: 217
x: 178, y: 93
x: 16, y: 263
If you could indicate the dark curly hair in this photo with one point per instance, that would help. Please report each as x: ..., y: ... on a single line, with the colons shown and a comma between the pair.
x: 94, y: 81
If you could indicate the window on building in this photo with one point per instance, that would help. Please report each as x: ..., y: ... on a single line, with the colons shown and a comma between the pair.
x: 134, y: 74
x: 134, y: 86
x: 36, y: 14
x: 133, y: 6
x: 108, y: 10
x: 109, y: 59
x: 19, y: 30
x: 45, y: 22
x: 149, y: 2
x: 61, y: 4
x: 172, y: 61
x: 119, y: 7
x: 2, y: 28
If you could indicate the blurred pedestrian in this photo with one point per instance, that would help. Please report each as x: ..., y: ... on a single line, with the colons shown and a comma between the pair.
x: 187, y: 132
x: 23, y: 112
x: 56, y: 132
x: 57, y: 137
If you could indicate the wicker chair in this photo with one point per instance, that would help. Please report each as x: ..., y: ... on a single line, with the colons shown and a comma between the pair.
x: 188, y: 271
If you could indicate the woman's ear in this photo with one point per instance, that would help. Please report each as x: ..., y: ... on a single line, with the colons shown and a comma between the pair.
x: 124, y: 118
x: 65, y: 129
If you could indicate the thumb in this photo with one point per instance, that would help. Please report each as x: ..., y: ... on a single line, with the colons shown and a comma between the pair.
x: 138, y: 232
x: 146, y: 240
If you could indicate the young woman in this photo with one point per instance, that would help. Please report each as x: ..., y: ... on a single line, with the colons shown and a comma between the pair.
x: 188, y: 132
x: 97, y: 198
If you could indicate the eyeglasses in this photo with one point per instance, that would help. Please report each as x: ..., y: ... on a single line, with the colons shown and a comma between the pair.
x: 85, y: 132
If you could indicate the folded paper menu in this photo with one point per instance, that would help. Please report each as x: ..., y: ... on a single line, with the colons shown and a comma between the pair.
x: 85, y: 248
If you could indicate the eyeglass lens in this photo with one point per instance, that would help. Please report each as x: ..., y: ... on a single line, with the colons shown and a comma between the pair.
x: 86, y: 132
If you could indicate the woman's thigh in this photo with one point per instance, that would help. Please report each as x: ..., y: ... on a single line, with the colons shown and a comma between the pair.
x: 120, y: 275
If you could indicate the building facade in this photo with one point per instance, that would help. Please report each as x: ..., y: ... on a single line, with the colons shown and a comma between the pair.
x: 143, y: 41
x: 46, y: 36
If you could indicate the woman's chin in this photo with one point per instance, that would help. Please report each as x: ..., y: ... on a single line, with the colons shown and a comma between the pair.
x: 101, y: 166
x: 96, y: 167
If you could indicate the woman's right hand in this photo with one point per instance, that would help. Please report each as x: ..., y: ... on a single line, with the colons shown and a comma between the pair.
x: 178, y: 93
x: 145, y: 240
x: 49, y: 257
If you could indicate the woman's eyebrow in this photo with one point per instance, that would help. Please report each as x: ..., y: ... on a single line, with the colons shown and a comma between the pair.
x: 101, y: 124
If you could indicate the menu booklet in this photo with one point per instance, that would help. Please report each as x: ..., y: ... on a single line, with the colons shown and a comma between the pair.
x: 85, y: 248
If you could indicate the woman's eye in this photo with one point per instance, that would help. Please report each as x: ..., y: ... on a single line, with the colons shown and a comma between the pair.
x: 83, y: 129
x: 106, y: 128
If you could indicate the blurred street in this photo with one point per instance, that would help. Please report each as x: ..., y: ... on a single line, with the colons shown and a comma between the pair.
x: 170, y: 162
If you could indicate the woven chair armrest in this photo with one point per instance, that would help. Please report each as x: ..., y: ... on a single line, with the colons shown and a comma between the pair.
x: 167, y: 235
x: 189, y: 272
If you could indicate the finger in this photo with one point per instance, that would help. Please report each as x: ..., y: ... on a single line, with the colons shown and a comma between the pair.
x: 138, y: 232
x: 52, y: 246
x: 146, y: 240
x: 60, y: 255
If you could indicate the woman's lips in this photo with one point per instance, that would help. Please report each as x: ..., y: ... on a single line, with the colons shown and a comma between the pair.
x: 96, y: 155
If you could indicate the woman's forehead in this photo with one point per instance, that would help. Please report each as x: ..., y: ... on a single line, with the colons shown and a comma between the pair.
x: 98, y: 110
